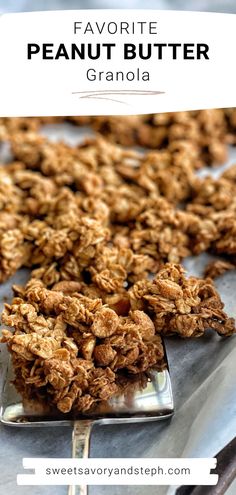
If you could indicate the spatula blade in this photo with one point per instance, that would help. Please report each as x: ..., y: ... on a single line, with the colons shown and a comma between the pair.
x: 146, y: 397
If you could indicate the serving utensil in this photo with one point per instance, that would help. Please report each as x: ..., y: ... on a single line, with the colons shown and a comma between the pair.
x: 146, y: 397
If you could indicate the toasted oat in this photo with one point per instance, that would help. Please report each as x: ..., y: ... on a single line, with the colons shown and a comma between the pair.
x: 218, y: 267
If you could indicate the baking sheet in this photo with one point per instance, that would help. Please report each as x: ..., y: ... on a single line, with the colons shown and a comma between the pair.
x: 203, y: 381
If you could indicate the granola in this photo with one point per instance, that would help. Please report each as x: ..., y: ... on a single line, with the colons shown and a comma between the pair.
x: 104, y: 229
x: 68, y: 349
x: 218, y: 267
x: 204, y: 132
x: 180, y: 305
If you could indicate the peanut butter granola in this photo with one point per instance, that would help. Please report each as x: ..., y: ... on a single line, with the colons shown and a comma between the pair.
x: 103, y: 229
x: 67, y: 349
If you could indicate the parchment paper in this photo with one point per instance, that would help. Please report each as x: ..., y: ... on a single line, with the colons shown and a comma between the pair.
x: 203, y: 381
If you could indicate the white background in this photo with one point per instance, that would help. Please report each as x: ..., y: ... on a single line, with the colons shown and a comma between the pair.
x: 37, y: 87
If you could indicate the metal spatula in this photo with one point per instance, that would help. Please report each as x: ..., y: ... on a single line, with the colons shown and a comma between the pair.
x: 146, y: 397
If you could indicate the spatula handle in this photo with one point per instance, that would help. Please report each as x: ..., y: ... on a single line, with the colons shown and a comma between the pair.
x: 80, y: 450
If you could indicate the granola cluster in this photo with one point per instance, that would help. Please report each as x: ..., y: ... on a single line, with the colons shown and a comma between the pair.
x: 205, y: 133
x: 67, y: 347
x: 104, y: 229
x: 182, y: 306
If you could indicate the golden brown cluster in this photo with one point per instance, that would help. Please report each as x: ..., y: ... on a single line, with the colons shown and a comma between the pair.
x: 205, y: 133
x: 67, y: 347
x: 185, y: 306
x: 103, y: 229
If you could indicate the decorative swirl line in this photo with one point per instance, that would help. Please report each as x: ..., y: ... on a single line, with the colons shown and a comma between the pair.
x: 105, y: 94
